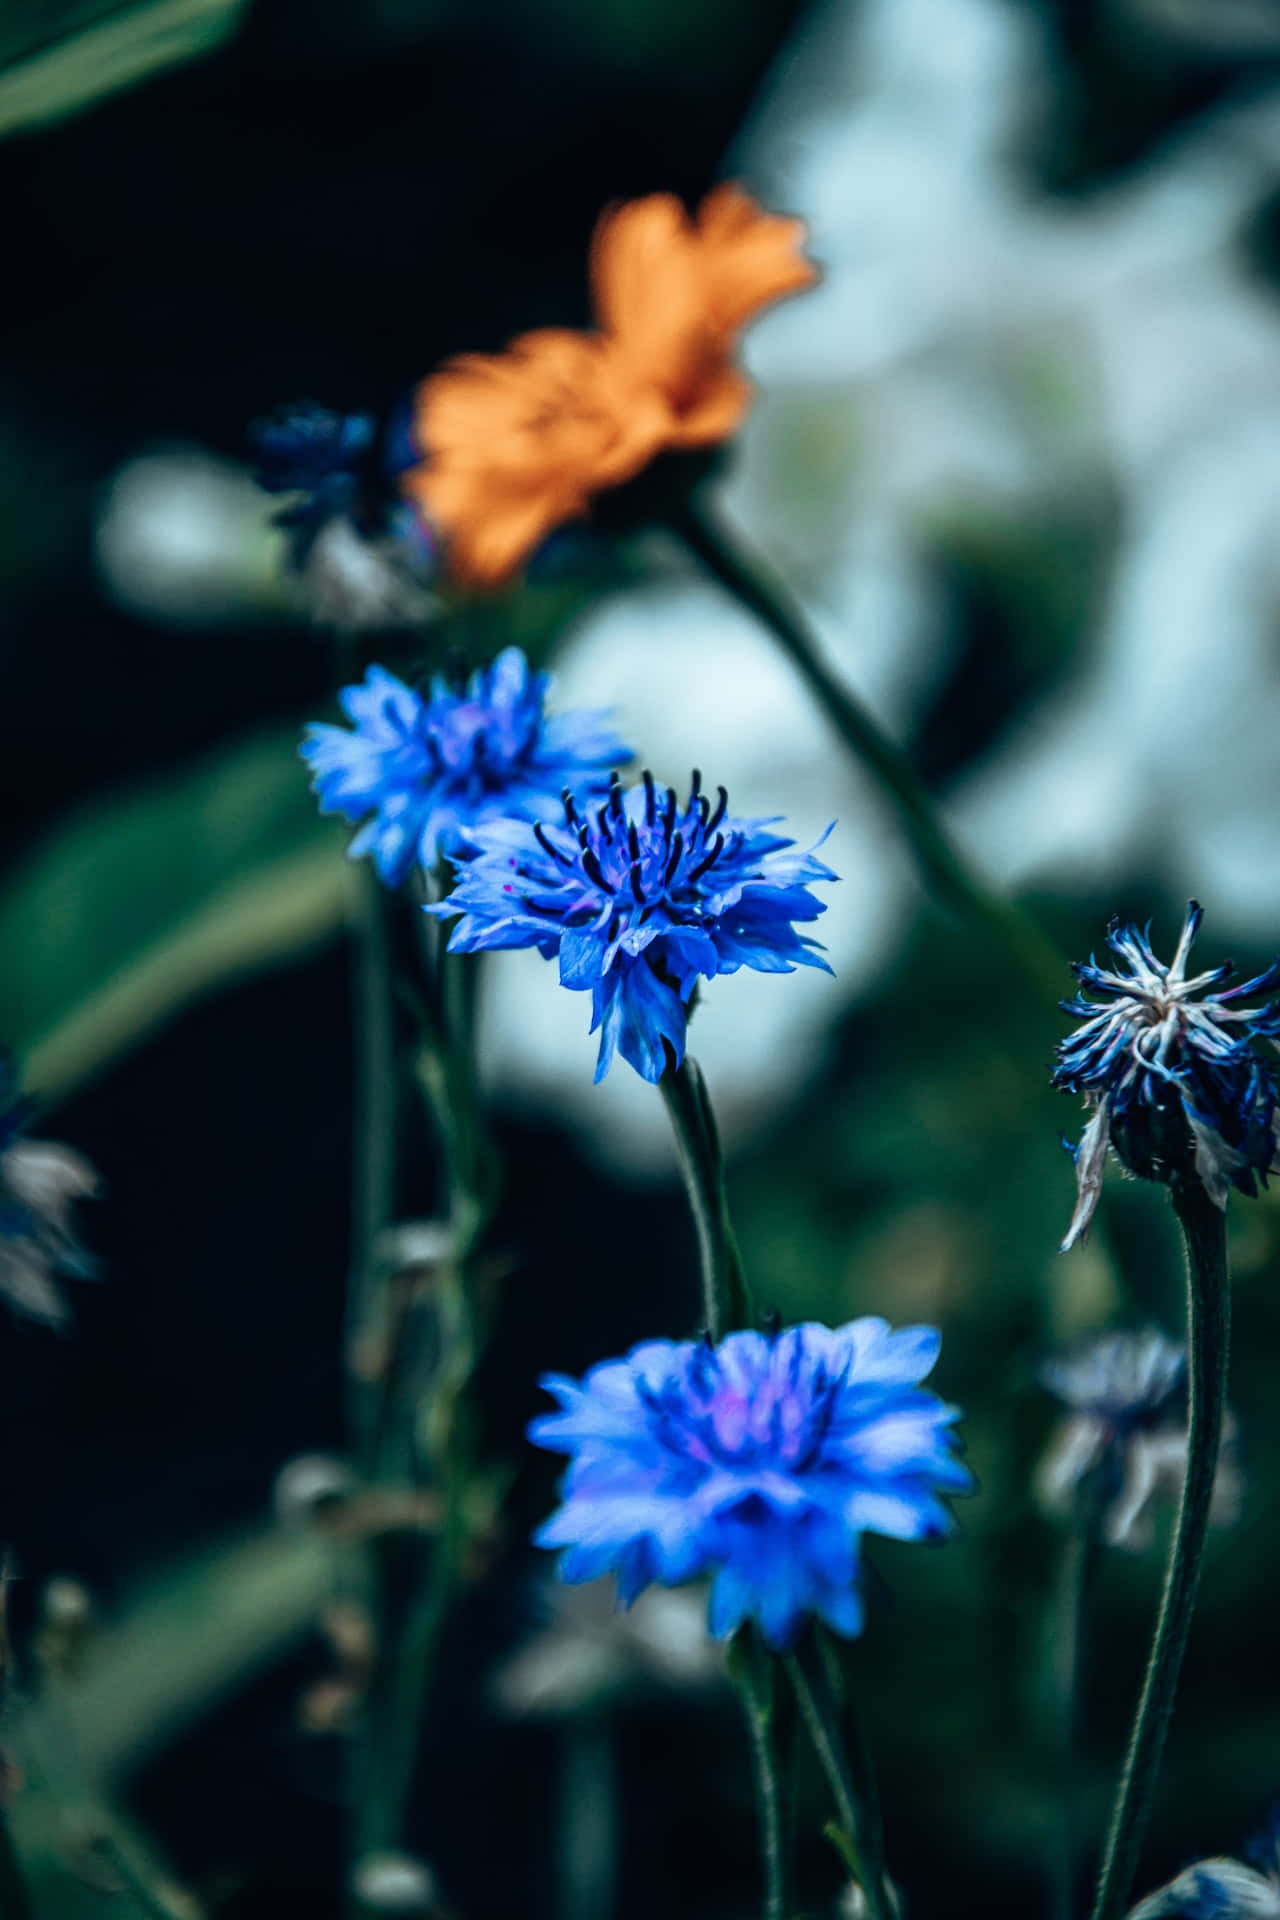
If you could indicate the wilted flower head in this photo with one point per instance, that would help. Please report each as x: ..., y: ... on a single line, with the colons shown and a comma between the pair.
x: 1176, y: 1083
x: 39, y: 1185
x: 762, y: 1461
x: 589, y: 1656
x: 1124, y: 1444
x: 1222, y: 1888
x: 429, y: 771
x: 639, y: 898
x: 518, y: 442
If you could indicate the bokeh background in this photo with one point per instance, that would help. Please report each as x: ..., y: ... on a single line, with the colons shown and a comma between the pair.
x: 1020, y: 454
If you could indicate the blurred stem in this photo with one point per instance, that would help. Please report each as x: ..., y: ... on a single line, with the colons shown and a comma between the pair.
x: 841, y: 1746
x: 725, y: 1295
x: 428, y: 1417
x: 757, y: 1676
x: 587, y: 1818
x: 1070, y: 1640
x: 754, y: 584
x: 373, y: 1151
x: 14, y: 1904
x: 1204, y: 1231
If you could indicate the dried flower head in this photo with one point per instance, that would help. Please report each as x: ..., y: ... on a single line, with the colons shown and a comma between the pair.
x: 1176, y: 1082
x: 431, y: 770
x: 516, y: 443
x: 762, y: 1461
x: 1123, y: 1447
x: 639, y: 898
x: 40, y: 1182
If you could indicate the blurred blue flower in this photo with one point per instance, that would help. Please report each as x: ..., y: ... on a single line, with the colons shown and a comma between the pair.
x: 321, y: 457
x: 762, y: 1461
x: 431, y: 770
x: 40, y: 1182
x: 1176, y: 1083
x: 1222, y: 1888
x: 638, y: 899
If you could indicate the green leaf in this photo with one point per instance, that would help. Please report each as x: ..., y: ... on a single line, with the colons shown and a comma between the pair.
x: 135, y: 906
x: 55, y: 59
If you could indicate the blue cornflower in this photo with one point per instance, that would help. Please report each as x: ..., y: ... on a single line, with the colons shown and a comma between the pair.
x: 762, y: 1461
x: 431, y: 770
x: 638, y: 898
x: 1222, y: 1888
x: 1176, y: 1083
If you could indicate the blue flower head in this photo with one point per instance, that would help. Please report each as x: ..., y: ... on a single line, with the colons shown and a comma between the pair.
x: 428, y: 772
x: 762, y: 1461
x: 323, y: 458
x: 1176, y: 1083
x: 638, y: 898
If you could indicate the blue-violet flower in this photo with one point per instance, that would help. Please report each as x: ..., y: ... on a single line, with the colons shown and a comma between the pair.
x: 1222, y: 1888
x: 1123, y: 1445
x: 430, y: 771
x: 638, y: 898
x: 1176, y: 1084
x: 762, y: 1461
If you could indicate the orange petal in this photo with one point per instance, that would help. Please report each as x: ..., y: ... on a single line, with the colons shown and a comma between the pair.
x: 751, y: 258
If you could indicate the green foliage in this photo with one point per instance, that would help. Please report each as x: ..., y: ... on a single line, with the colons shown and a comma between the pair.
x: 134, y: 906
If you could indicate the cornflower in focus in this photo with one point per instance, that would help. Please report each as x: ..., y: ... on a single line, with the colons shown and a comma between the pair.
x: 762, y: 1461
x: 1176, y: 1084
x: 1222, y: 1888
x: 640, y: 897
x: 516, y: 443
x: 430, y: 771
x: 1123, y: 1446
x: 40, y: 1182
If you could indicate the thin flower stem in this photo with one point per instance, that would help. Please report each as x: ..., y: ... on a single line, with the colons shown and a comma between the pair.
x: 1070, y: 1622
x: 1208, y: 1329
x: 955, y: 879
x: 755, y: 1673
x: 841, y: 1746
x: 726, y: 1300
x: 373, y: 1143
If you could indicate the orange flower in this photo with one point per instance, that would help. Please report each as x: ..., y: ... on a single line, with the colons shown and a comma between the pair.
x: 518, y: 442
x: 675, y: 293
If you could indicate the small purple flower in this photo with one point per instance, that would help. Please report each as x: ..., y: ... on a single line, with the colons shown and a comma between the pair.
x: 40, y: 1182
x: 1176, y: 1083
x: 639, y: 898
x: 431, y: 771
x: 762, y: 1461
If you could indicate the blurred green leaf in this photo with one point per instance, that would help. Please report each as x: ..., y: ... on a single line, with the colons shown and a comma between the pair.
x: 136, y: 905
x: 55, y: 59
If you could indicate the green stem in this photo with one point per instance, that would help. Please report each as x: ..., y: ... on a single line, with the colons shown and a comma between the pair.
x: 761, y: 591
x: 841, y: 1746
x: 1075, y: 1585
x: 756, y: 1677
x: 373, y: 1152
x: 1208, y: 1328
x: 726, y: 1299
